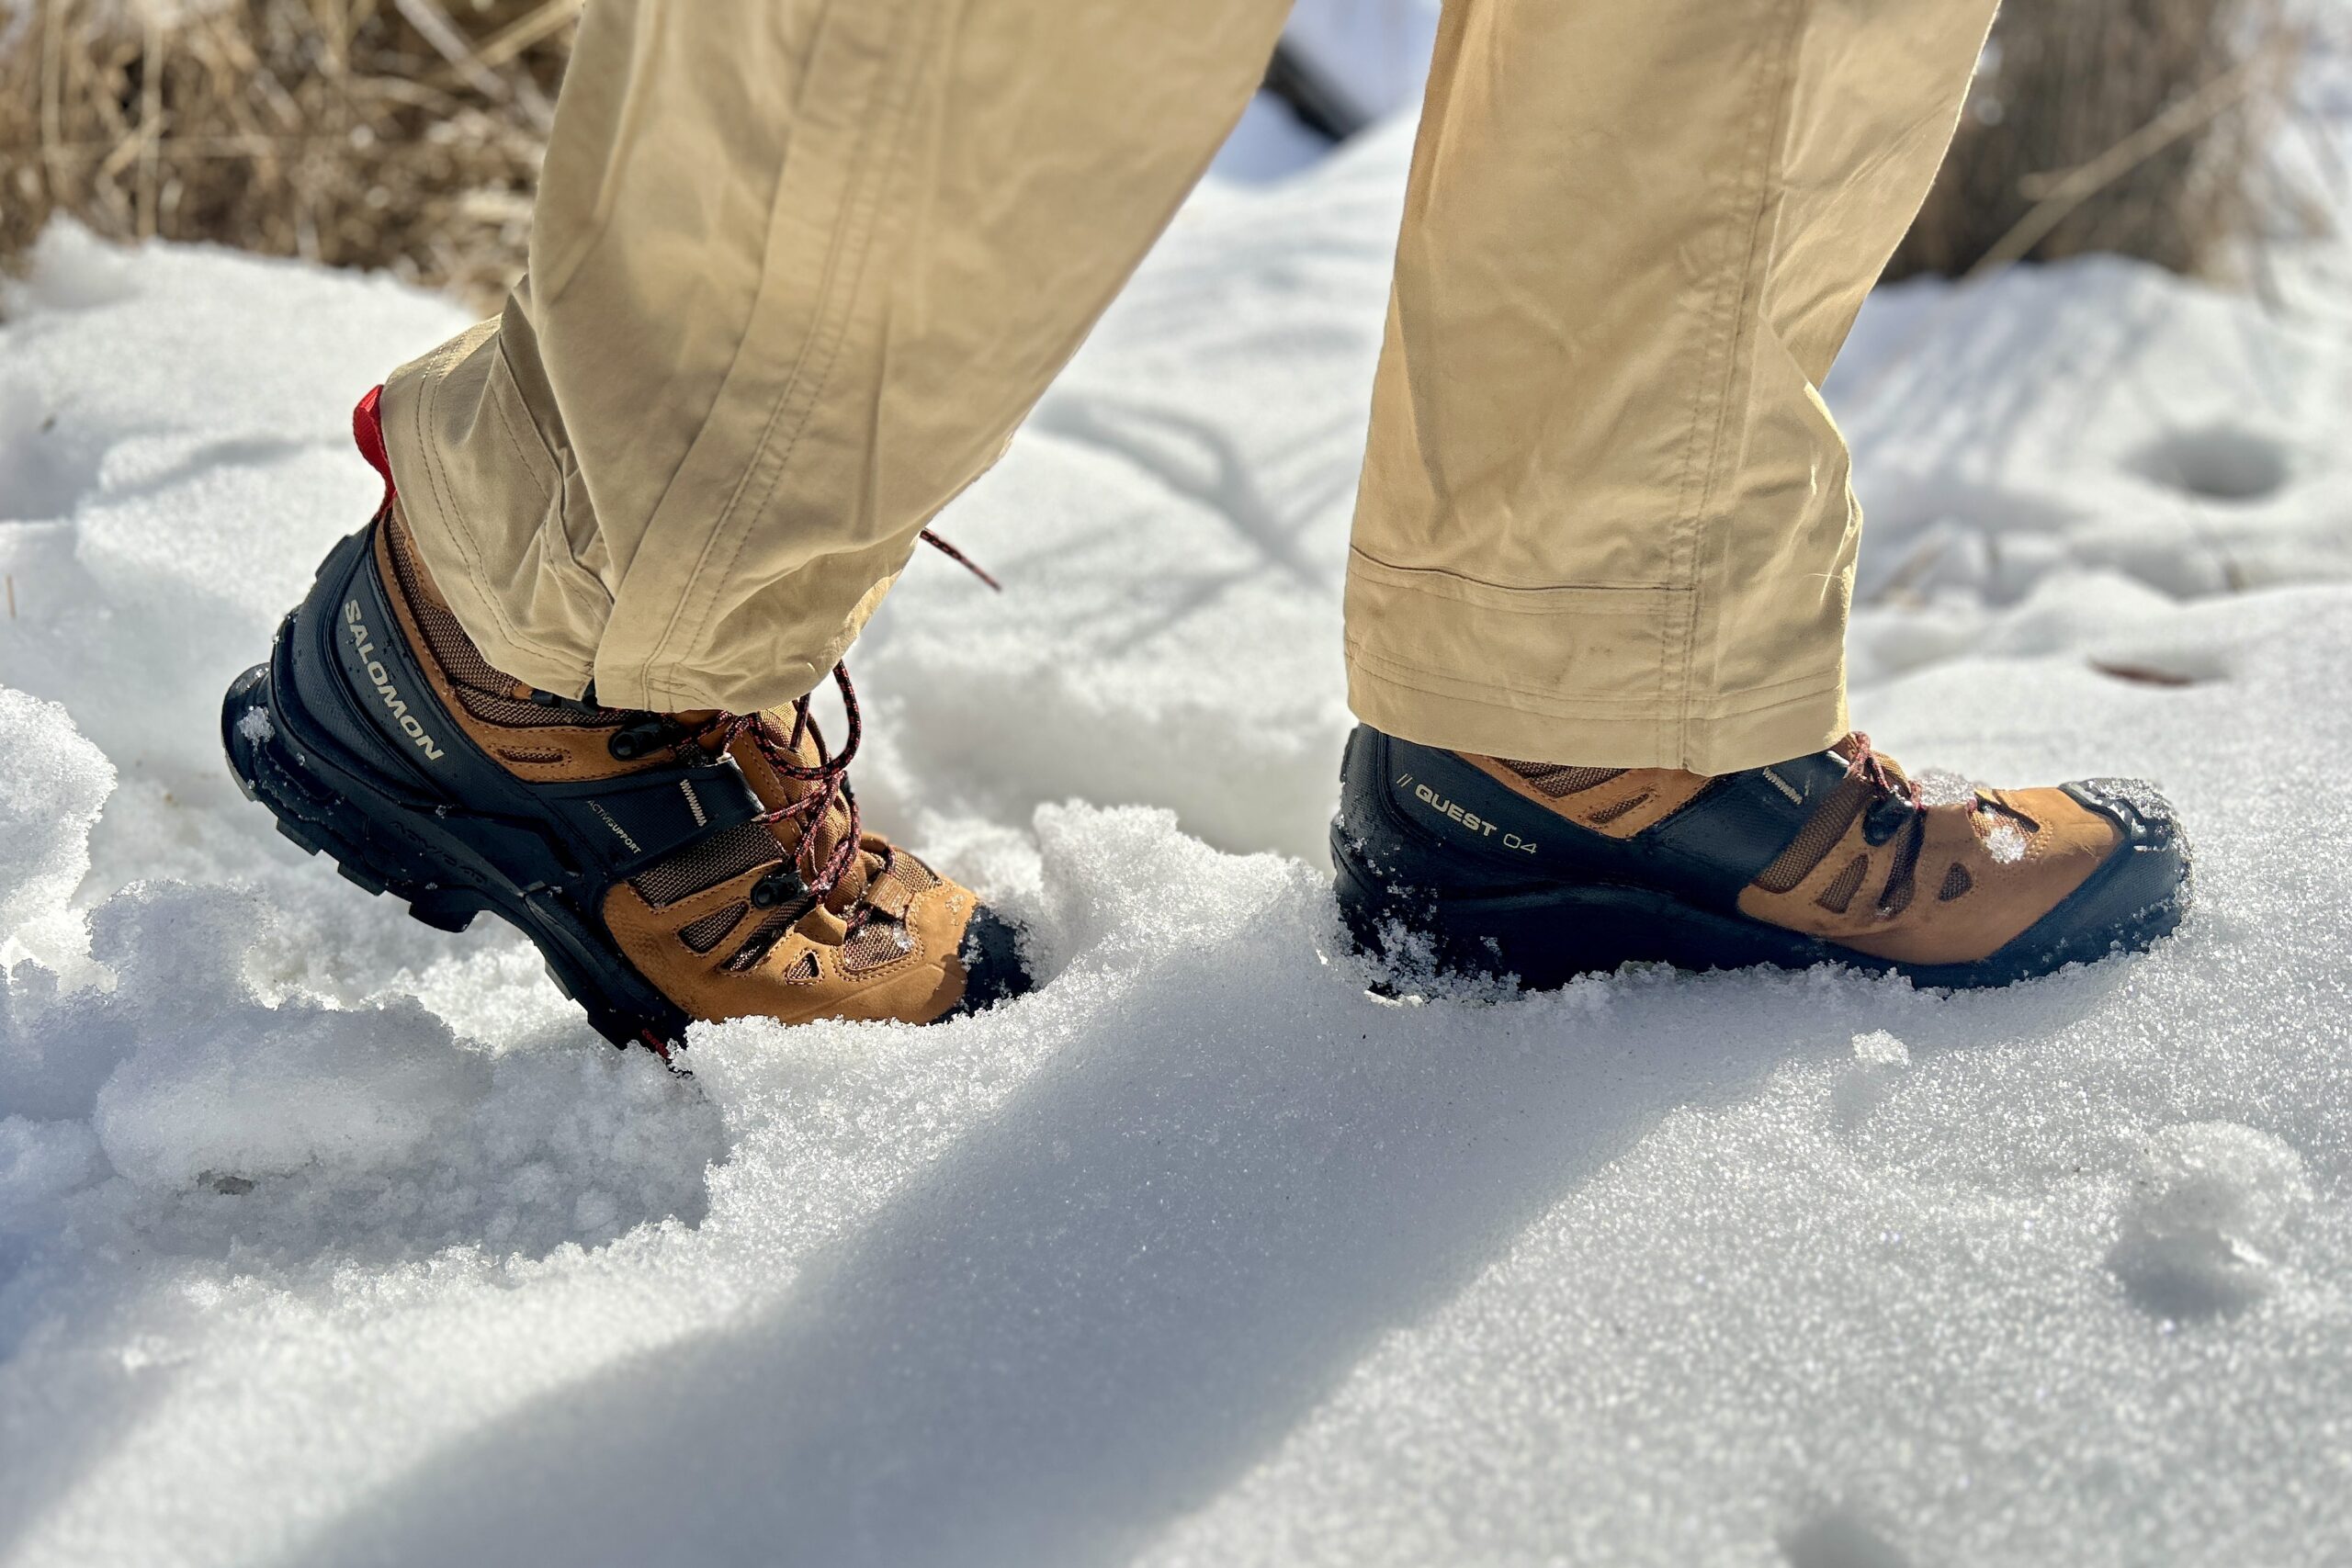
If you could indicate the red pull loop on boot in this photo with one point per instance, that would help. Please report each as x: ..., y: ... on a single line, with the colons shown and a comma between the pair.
x: 367, y: 430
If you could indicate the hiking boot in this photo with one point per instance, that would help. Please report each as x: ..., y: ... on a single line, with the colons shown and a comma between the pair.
x: 668, y: 866
x: 1545, y: 871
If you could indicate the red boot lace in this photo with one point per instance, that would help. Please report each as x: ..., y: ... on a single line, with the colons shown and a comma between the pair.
x: 1895, y: 793
x: 829, y: 774
x: 1864, y: 762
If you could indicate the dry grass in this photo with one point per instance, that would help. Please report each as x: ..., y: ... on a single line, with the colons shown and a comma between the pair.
x: 2137, y: 127
x: 403, y: 134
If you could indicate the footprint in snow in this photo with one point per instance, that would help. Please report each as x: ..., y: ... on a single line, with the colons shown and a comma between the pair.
x: 2209, y: 1219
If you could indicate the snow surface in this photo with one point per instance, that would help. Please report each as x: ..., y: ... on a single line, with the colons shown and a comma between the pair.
x: 327, y: 1238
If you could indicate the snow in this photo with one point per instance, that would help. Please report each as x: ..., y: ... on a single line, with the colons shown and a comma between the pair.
x: 328, y: 1238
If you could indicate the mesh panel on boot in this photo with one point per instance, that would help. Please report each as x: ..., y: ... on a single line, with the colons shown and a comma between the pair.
x: 706, y: 933
x: 878, y: 942
x: 765, y: 935
x: 1901, y: 882
x: 486, y: 693
x: 707, y: 862
x: 1557, y: 779
x: 1839, y: 895
x: 1607, y: 815
x: 1956, y: 882
x: 1816, y: 838
x: 909, y: 872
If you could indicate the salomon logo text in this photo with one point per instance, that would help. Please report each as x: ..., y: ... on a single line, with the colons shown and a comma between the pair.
x: 363, y: 645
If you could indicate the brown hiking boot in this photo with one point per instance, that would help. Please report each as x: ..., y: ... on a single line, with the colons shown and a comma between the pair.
x: 670, y: 866
x: 1546, y: 872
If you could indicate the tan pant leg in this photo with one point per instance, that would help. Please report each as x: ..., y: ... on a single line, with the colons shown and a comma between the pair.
x: 1605, y: 517
x: 797, y: 269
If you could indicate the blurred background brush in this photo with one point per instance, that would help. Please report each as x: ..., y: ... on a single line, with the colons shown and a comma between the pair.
x: 400, y: 134
x: 2138, y: 128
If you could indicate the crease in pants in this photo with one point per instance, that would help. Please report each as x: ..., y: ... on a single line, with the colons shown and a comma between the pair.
x: 804, y: 265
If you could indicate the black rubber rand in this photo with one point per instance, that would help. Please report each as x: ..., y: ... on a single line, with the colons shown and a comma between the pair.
x: 1436, y: 861
x: 357, y: 760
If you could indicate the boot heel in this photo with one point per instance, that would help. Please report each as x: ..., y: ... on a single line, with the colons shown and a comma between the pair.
x: 373, y: 852
x: 271, y: 774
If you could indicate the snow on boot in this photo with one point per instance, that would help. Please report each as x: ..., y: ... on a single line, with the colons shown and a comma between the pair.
x: 668, y: 866
x: 1545, y: 871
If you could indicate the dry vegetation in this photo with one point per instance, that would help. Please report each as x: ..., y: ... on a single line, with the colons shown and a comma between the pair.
x: 406, y: 133
x: 394, y: 133
x: 2138, y: 127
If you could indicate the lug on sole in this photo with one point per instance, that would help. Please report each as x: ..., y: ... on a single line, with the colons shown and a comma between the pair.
x: 375, y: 850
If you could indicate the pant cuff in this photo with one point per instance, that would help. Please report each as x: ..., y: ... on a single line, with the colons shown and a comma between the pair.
x: 1733, y: 733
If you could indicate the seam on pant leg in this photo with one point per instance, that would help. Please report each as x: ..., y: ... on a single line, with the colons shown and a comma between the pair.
x: 1416, y: 674
x: 460, y: 531
x: 862, y: 206
x: 1442, y: 582
x: 1673, y: 674
x: 454, y: 525
x: 1773, y: 92
x: 515, y: 442
x: 553, y: 533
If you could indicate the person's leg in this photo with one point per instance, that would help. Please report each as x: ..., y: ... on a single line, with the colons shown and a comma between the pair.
x: 798, y: 267
x: 1605, y: 517
x: 1604, y: 546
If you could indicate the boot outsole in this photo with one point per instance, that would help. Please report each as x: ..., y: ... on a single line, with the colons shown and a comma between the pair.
x: 1543, y: 937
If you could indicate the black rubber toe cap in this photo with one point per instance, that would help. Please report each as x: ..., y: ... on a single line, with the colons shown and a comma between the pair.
x: 2135, y: 806
x: 993, y: 969
x: 2146, y: 881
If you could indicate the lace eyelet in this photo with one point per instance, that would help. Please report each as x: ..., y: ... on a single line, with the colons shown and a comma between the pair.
x: 778, y: 887
x: 1884, y: 816
x: 641, y: 739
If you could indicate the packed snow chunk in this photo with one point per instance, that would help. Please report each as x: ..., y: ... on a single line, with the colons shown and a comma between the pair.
x: 53, y: 783
x: 1943, y: 786
x: 1880, y: 1062
x: 265, y: 1091
x: 2005, y: 843
x: 2209, y: 1220
x: 1880, y: 1049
